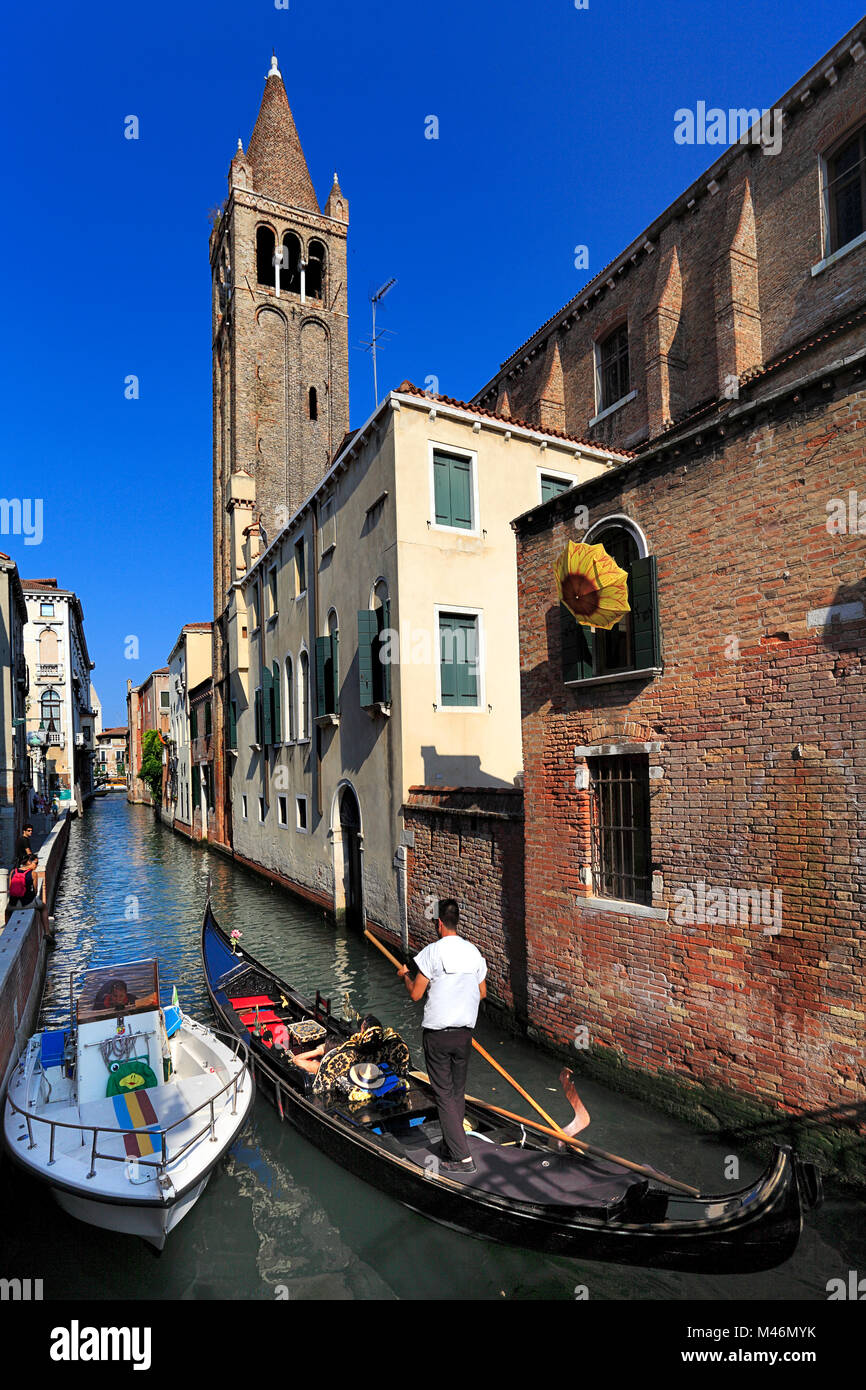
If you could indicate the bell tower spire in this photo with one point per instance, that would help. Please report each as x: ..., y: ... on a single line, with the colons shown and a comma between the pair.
x: 280, y: 336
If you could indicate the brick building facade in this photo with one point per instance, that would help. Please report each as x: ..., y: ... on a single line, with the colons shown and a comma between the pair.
x: 467, y: 843
x: 694, y: 782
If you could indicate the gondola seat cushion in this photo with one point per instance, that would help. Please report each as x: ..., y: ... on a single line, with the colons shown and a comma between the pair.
x: 373, y: 1044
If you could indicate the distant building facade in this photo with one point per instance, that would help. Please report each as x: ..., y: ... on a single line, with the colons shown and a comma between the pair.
x: 60, y: 702
x: 14, y: 685
x: 148, y: 706
x: 112, y: 757
x: 189, y: 663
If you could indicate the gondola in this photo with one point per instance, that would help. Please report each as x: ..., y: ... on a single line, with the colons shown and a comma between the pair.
x: 527, y: 1190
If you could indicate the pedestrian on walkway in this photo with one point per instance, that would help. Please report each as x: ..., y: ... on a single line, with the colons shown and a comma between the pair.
x: 455, y: 971
x: 24, y: 891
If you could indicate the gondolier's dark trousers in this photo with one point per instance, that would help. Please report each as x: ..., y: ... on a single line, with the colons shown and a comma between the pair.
x: 447, y: 1054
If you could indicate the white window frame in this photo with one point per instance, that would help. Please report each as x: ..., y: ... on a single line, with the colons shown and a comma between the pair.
x: 244, y: 815
x: 272, y: 595
x: 458, y: 452
x: 282, y: 811
x: 263, y: 810
x: 478, y: 614
x: 300, y: 540
x: 290, y: 729
x: 305, y: 727
x: 302, y: 829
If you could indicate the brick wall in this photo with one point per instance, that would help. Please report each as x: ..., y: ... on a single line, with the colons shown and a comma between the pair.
x: 468, y: 845
x: 758, y: 723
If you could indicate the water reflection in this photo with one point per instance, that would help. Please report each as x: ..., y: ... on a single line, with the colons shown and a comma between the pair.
x: 279, y: 1213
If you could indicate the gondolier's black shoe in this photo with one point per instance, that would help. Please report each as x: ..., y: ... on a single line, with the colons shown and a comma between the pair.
x: 459, y: 1165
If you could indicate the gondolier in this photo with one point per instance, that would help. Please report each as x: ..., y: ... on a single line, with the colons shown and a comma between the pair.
x: 455, y: 971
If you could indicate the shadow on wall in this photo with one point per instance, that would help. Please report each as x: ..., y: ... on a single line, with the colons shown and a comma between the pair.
x: 456, y: 770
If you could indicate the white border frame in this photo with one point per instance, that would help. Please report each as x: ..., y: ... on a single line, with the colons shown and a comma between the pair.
x: 457, y: 452
x: 299, y: 797
x: 481, y: 665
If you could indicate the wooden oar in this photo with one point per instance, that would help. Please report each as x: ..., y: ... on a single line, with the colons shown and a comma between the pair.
x: 580, y: 1144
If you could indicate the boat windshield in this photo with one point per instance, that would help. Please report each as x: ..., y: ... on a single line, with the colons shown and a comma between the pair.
x: 132, y: 988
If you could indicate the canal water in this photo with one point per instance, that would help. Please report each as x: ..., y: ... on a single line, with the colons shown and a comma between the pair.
x: 278, y: 1218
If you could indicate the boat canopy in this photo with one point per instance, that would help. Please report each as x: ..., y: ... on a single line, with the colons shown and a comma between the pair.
x: 131, y: 988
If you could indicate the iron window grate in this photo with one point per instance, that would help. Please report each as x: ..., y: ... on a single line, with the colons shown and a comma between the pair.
x: 619, y: 818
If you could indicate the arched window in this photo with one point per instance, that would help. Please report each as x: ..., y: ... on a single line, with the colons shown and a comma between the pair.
x: 290, y: 700
x: 303, y: 696
x: 290, y: 270
x: 381, y: 605
x: 314, y: 403
x: 634, y: 643
x: 265, y: 247
x: 316, y: 270
x: 49, y: 708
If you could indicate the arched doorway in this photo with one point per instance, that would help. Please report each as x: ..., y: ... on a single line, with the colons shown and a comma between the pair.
x: 349, y: 893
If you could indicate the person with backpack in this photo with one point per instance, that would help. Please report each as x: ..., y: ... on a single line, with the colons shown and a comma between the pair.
x: 24, y: 891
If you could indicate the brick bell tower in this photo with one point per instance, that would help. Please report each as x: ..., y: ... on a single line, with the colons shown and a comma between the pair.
x: 280, y: 350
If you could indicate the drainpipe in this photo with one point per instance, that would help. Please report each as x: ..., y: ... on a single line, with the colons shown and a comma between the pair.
x: 401, y: 865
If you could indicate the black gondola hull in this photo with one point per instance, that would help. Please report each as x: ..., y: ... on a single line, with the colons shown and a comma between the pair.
x: 755, y: 1229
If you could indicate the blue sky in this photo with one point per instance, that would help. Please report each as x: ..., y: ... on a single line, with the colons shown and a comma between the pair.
x: 555, y: 129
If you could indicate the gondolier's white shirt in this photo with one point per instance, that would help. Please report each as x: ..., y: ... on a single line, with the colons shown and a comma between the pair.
x: 455, y: 969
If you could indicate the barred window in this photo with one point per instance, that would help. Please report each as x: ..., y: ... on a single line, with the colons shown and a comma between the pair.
x: 619, y: 817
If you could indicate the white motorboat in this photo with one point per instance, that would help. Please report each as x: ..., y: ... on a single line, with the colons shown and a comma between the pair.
x: 126, y: 1113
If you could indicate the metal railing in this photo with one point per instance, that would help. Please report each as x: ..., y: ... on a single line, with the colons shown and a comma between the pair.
x: 239, y: 1049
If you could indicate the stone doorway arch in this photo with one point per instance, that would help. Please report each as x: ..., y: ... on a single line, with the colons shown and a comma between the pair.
x: 347, y: 841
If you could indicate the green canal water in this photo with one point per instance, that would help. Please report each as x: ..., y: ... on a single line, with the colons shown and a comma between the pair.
x: 277, y: 1214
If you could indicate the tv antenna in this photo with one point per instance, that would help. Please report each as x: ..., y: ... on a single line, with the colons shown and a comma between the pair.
x: 382, y: 332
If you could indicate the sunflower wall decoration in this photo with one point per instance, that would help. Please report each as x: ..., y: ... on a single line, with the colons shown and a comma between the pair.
x: 591, y: 585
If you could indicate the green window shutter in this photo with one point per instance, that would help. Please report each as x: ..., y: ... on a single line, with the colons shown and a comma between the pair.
x: 196, y: 787
x: 367, y: 654
x: 233, y: 724
x: 552, y: 487
x: 335, y: 671
x: 277, y: 721
x: 461, y: 493
x: 323, y: 661
x: 458, y: 647
x: 193, y: 723
x: 267, y: 705
x: 385, y: 666
x: 442, y: 490
x: 258, y: 711
x: 577, y: 642
x: 643, y: 592
x: 452, y: 491
x: 208, y: 727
